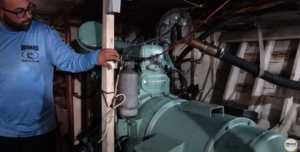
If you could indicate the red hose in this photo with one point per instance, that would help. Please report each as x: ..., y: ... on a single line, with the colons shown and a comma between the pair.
x: 190, y: 33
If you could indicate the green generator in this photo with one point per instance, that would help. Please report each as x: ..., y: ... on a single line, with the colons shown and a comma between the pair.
x: 154, y: 120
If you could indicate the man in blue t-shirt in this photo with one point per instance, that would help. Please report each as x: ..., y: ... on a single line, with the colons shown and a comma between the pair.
x: 29, y: 51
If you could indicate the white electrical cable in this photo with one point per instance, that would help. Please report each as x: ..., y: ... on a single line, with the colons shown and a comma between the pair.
x: 261, y: 49
x: 109, y: 114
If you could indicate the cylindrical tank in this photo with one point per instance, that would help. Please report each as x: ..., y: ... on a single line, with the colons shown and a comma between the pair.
x: 90, y: 38
x: 128, y: 85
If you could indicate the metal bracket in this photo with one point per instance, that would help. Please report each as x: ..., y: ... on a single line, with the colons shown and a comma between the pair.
x: 202, y: 108
x: 113, y: 6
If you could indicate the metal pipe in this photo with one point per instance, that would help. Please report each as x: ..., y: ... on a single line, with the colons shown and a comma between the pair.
x: 206, y: 48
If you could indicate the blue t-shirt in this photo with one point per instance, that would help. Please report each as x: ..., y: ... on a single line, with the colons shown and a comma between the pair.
x: 27, y: 61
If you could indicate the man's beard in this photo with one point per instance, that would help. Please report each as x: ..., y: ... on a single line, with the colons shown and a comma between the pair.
x: 15, y: 26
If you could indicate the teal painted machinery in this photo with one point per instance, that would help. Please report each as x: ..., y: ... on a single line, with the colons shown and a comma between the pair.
x: 154, y: 120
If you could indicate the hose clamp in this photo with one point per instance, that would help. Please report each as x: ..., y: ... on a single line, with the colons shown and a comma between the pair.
x: 221, y: 54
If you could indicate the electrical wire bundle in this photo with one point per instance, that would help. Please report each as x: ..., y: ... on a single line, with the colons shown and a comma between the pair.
x: 110, y: 113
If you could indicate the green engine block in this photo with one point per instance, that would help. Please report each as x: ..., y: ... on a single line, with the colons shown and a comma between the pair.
x: 157, y: 121
x: 167, y: 124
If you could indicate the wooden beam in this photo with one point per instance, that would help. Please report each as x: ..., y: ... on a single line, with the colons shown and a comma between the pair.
x: 234, y: 73
x: 278, y: 33
x: 289, y: 117
x: 289, y: 102
x: 259, y: 83
x: 212, y: 70
x: 295, y: 75
x: 107, y: 83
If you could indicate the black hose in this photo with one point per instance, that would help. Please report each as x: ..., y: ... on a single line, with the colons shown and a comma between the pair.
x: 292, y: 6
x: 254, y: 70
x: 184, y: 83
x: 241, y: 63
